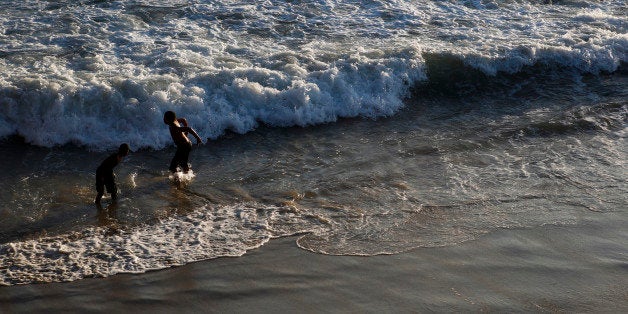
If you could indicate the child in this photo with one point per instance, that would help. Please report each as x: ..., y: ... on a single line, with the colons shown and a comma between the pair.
x: 105, y: 176
x: 179, y: 135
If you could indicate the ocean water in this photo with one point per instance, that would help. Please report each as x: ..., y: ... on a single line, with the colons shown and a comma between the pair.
x: 362, y: 127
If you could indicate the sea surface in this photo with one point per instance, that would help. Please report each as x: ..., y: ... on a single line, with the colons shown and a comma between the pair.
x: 361, y: 128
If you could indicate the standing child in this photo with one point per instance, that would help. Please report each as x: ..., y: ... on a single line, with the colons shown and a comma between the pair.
x: 178, y: 130
x: 105, y: 176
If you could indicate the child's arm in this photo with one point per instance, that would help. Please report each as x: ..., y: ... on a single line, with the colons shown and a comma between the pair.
x: 183, y: 122
x: 190, y: 130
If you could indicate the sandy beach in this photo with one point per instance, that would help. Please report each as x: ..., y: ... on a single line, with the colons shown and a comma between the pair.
x: 572, y: 269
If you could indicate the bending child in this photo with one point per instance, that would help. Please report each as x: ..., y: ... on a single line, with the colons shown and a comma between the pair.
x: 105, y: 176
x: 178, y: 130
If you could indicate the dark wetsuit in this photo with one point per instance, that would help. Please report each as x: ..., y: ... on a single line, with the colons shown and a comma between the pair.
x: 105, y: 176
x: 180, y: 158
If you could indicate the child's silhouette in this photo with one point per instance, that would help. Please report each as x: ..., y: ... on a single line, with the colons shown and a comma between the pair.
x: 178, y: 130
x: 105, y: 176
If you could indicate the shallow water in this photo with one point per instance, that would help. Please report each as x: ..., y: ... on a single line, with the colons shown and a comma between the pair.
x: 444, y: 171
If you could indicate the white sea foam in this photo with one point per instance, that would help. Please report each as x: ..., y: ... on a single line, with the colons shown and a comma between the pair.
x: 182, y: 177
x: 99, y: 74
x: 209, y: 232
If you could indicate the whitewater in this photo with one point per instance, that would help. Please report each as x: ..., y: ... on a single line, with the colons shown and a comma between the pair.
x: 97, y: 73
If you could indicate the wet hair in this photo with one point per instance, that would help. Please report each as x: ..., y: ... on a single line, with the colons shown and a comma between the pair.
x: 124, y: 149
x: 169, y: 117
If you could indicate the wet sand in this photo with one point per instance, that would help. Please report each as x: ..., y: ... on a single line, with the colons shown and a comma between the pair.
x: 576, y: 269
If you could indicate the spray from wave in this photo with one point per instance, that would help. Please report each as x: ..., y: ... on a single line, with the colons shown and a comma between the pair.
x: 112, y: 69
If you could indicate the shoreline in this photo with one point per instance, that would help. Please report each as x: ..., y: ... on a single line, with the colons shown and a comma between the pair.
x: 580, y: 268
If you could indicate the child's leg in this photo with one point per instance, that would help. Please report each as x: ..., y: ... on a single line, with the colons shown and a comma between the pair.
x: 100, y: 188
x: 98, y: 198
x: 185, y: 155
x: 110, y: 183
x: 185, y: 166
x: 176, y: 160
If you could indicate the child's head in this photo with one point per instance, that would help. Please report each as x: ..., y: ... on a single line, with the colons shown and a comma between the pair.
x: 124, y: 150
x: 169, y: 117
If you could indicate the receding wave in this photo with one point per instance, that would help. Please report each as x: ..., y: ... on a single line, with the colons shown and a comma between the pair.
x: 230, y: 231
x: 106, y: 250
